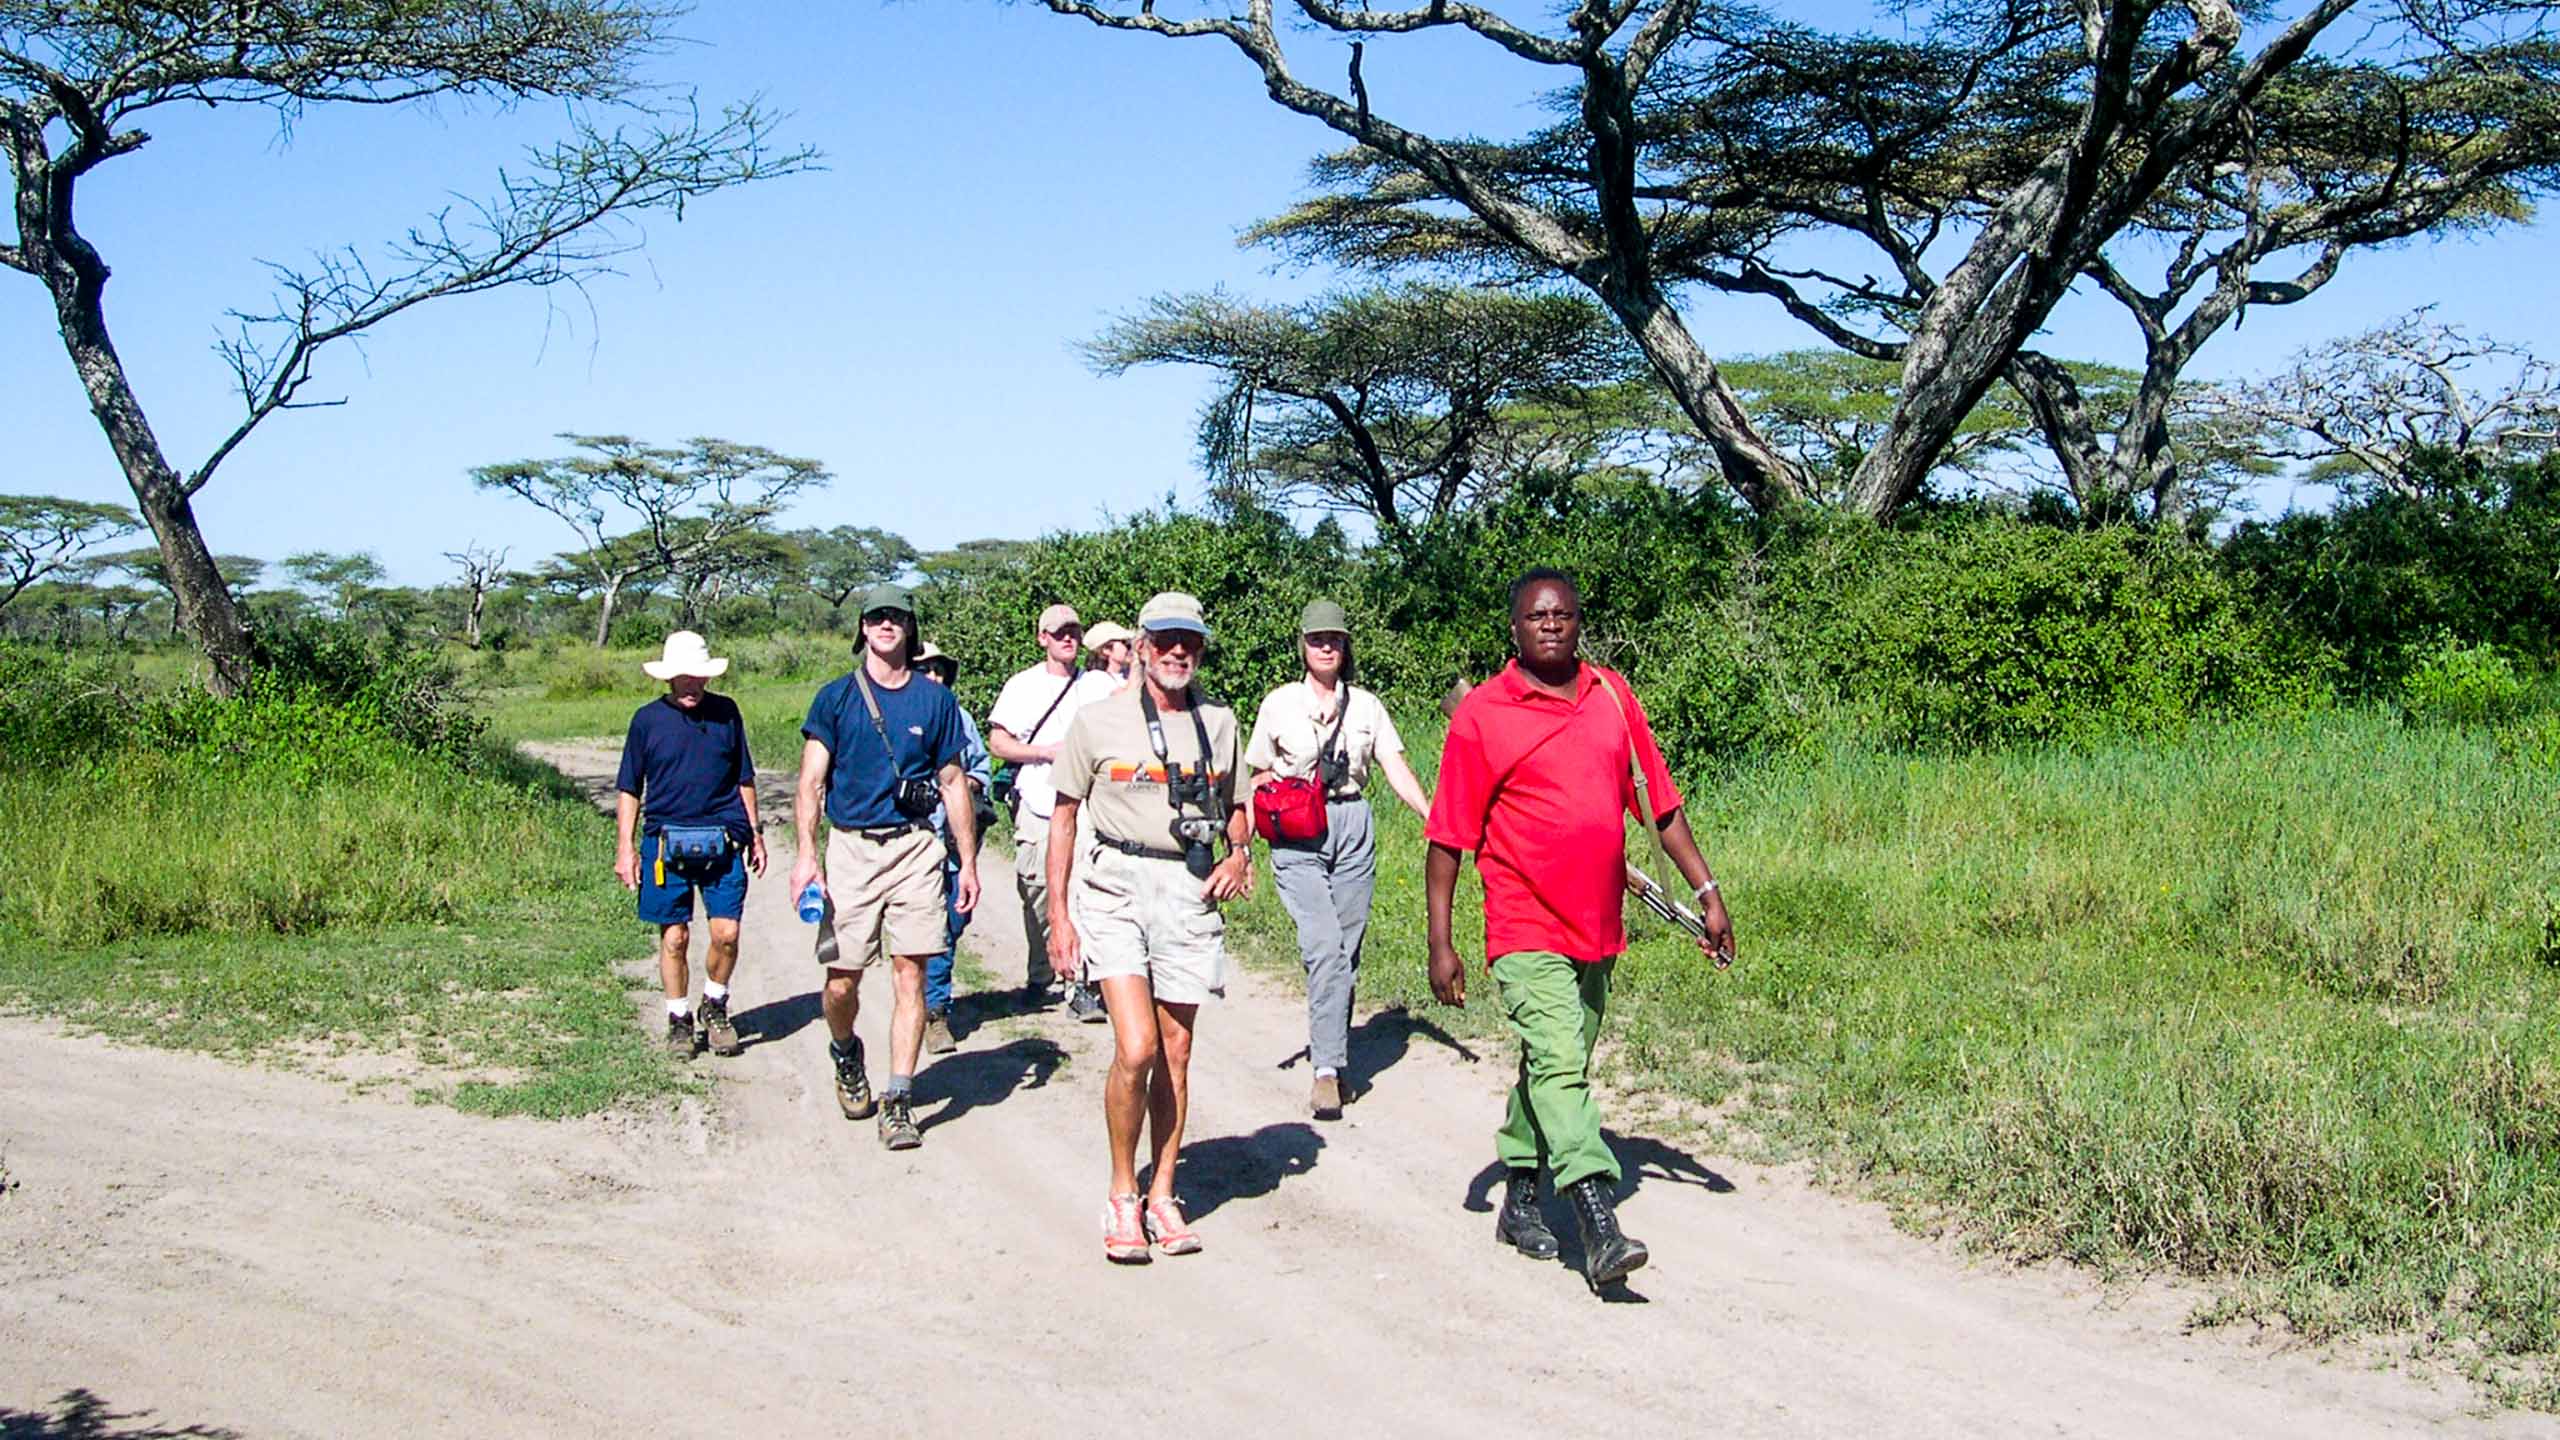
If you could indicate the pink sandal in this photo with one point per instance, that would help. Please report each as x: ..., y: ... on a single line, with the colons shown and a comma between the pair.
x: 1124, y: 1237
x: 1165, y: 1227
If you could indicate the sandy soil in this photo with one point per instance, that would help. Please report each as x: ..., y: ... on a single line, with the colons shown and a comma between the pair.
x: 192, y: 1248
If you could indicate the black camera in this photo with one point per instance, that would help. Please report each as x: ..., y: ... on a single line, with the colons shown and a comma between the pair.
x: 917, y: 798
x: 1333, y: 770
x: 1188, y: 789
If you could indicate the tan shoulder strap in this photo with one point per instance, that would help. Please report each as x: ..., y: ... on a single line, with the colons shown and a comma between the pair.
x: 1645, y: 818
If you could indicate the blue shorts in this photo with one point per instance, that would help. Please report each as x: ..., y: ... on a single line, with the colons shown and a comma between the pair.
x: 722, y: 882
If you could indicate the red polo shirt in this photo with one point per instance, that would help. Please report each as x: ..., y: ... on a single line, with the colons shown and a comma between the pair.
x: 1537, y: 787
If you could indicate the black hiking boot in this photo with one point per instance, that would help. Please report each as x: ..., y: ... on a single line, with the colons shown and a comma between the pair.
x: 681, y: 1041
x: 898, y: 1124
x: 853, y: 1084
x: 1519, y: 1225
x: 717, y: 1028
x: 1608, y: 1254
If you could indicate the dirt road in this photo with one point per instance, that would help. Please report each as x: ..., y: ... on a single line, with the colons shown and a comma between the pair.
x: 193, y: 1248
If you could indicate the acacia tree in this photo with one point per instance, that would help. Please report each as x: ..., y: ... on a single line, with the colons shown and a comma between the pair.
x: 1706, y: 143
x: 2371, y: 404
x: 342, y: 581
x: 42, y: 535
x: 76, y: 76
x: 482, y: 570
x: 836, y: 563
x: 691, y: 504
x: 1402, y: 405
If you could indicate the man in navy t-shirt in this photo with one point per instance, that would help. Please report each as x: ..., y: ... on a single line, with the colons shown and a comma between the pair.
x: 689, y: 787
x: 884, y: 746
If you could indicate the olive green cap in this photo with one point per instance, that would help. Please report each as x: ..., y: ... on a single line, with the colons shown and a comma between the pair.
x: 887, y: 597
x: 1323, y: 617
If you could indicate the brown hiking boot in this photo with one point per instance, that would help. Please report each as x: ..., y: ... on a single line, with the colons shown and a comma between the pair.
x: 898, y: 1124
x: 1327, y: 1100
x: 853, y: 1083
x: 717, y: 1028
x: 938, y: 1039
x: 681, y: 1042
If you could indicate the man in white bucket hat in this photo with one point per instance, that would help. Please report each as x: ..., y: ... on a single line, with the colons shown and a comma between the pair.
x: 688, y: 789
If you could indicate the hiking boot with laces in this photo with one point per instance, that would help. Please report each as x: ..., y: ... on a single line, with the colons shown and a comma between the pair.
x: 717, y: 1027
x: 1608, y: 1253
x: 938, y: 1039
x: 1124, y: 1235
x: 1166, y: 1228
x: 1519, y: 1225
x: 1084, y: 1001
x: 680, y: 1038
x: 853, y: 1085
x: 898, y: 1124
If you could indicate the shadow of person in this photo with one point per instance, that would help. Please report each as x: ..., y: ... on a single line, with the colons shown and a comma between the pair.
x: 81, y: 1415
x: 1642, y: 1158
x: 1243, y: 1167
x: 775, y: 1019
x: 1380, y: 1042
x: 985, y: 1077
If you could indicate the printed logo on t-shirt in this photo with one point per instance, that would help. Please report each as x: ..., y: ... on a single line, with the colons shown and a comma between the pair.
x: 1145, y: 774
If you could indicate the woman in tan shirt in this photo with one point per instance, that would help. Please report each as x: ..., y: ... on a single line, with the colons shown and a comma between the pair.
x: 1326, y: 883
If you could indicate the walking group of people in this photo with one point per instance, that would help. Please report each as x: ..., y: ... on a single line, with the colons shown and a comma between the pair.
x: 1136, y: 806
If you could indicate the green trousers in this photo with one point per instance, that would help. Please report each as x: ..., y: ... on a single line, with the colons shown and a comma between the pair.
x: 1554, y: 1006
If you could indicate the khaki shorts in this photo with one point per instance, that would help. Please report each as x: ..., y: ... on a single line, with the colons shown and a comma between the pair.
x: 1139, y: 915
x: 882, y: 891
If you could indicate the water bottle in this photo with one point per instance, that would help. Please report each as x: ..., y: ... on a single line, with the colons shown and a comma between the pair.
x: 813, y: 902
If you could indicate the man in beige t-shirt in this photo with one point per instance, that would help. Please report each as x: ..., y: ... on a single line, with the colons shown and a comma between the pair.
x: 1136, y: 903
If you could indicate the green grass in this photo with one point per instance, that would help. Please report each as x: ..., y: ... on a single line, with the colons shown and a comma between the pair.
x: 565, y: 693
x: 305, y: 890
x: 2273, y: 1007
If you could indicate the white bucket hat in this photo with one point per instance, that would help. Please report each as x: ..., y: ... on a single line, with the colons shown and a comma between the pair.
x: 686, y: 654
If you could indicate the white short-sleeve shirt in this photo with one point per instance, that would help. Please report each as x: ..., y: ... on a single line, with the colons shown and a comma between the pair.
x: 1019, y: 708
x: 1290, y: 730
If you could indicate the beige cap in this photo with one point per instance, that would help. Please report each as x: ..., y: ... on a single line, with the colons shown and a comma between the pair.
x: 1173, y: 610
x: 1057, y: 615
x: 686, y: 654
x: 1098, y: 635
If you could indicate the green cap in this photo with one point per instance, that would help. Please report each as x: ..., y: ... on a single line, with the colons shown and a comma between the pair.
x: 887, y: 597
x: 1173, y: 610
x: 1323, y: 617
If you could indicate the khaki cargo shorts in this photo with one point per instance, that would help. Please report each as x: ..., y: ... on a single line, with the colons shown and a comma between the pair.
x: 882, y: 891
x: 1140, y: 915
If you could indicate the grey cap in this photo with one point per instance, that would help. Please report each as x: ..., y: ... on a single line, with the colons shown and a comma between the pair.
x: 1173, y: 610
x: 887, y: 597
x: 1323, y: 617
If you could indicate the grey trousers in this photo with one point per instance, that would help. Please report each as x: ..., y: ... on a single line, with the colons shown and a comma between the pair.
x: 1325, y: 886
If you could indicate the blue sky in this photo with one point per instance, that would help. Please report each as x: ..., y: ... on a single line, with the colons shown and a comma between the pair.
x: 1000, y: 183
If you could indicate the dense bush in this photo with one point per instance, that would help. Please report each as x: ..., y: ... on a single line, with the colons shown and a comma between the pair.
x: 2450, y: 683
x: 2381, y: 576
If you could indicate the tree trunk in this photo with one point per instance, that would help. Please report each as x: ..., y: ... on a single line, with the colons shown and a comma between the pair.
x: 1765, y: 479
x: 471, y: 622
x: 604, y: 616
x: 204, y: 607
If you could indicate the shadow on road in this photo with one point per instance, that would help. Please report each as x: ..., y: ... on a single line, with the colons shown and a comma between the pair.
x: 1380, y: 1043
x: 81, y: 1415
x: 985, y: 1077
x: 1243, y: 1167
x: 775, y: 1019
x: 1640, y: 1158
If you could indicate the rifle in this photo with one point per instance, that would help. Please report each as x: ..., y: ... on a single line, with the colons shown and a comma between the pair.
x: 1659, y: 901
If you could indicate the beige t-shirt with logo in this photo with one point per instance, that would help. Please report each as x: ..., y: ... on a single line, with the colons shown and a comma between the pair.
x: 1108, y: 763
x: 1290, y: 730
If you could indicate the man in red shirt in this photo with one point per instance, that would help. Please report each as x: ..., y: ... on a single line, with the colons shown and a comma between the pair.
x: 1535, y: 780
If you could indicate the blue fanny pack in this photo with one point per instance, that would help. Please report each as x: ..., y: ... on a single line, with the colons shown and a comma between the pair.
x: 693, y: 844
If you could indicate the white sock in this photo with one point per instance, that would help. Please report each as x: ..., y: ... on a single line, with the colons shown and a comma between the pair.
x: 679, y: 1009
x: 1325, y: 1072
x: 716, y: 992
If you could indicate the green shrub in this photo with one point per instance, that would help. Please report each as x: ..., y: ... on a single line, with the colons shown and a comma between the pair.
x: 2450, y: 683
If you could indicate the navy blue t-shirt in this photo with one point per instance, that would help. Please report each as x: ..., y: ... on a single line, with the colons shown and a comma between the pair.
x: 686, y: 765
x: 923, y: 722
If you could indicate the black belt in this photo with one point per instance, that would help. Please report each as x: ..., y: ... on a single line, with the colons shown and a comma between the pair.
x: 882, y: 835
x: 1132, y: 847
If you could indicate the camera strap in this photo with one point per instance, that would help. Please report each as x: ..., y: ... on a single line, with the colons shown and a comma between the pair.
x: 1332, y: 745
x: 871, y: 703
x: 1155, y: 737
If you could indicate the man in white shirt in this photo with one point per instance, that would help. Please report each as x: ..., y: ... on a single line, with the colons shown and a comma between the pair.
x: 1024, y: 730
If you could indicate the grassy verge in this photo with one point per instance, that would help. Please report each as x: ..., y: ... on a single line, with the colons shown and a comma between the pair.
x: 561, y: 693
x: 2271, y: 1007
x: 278, y: 877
